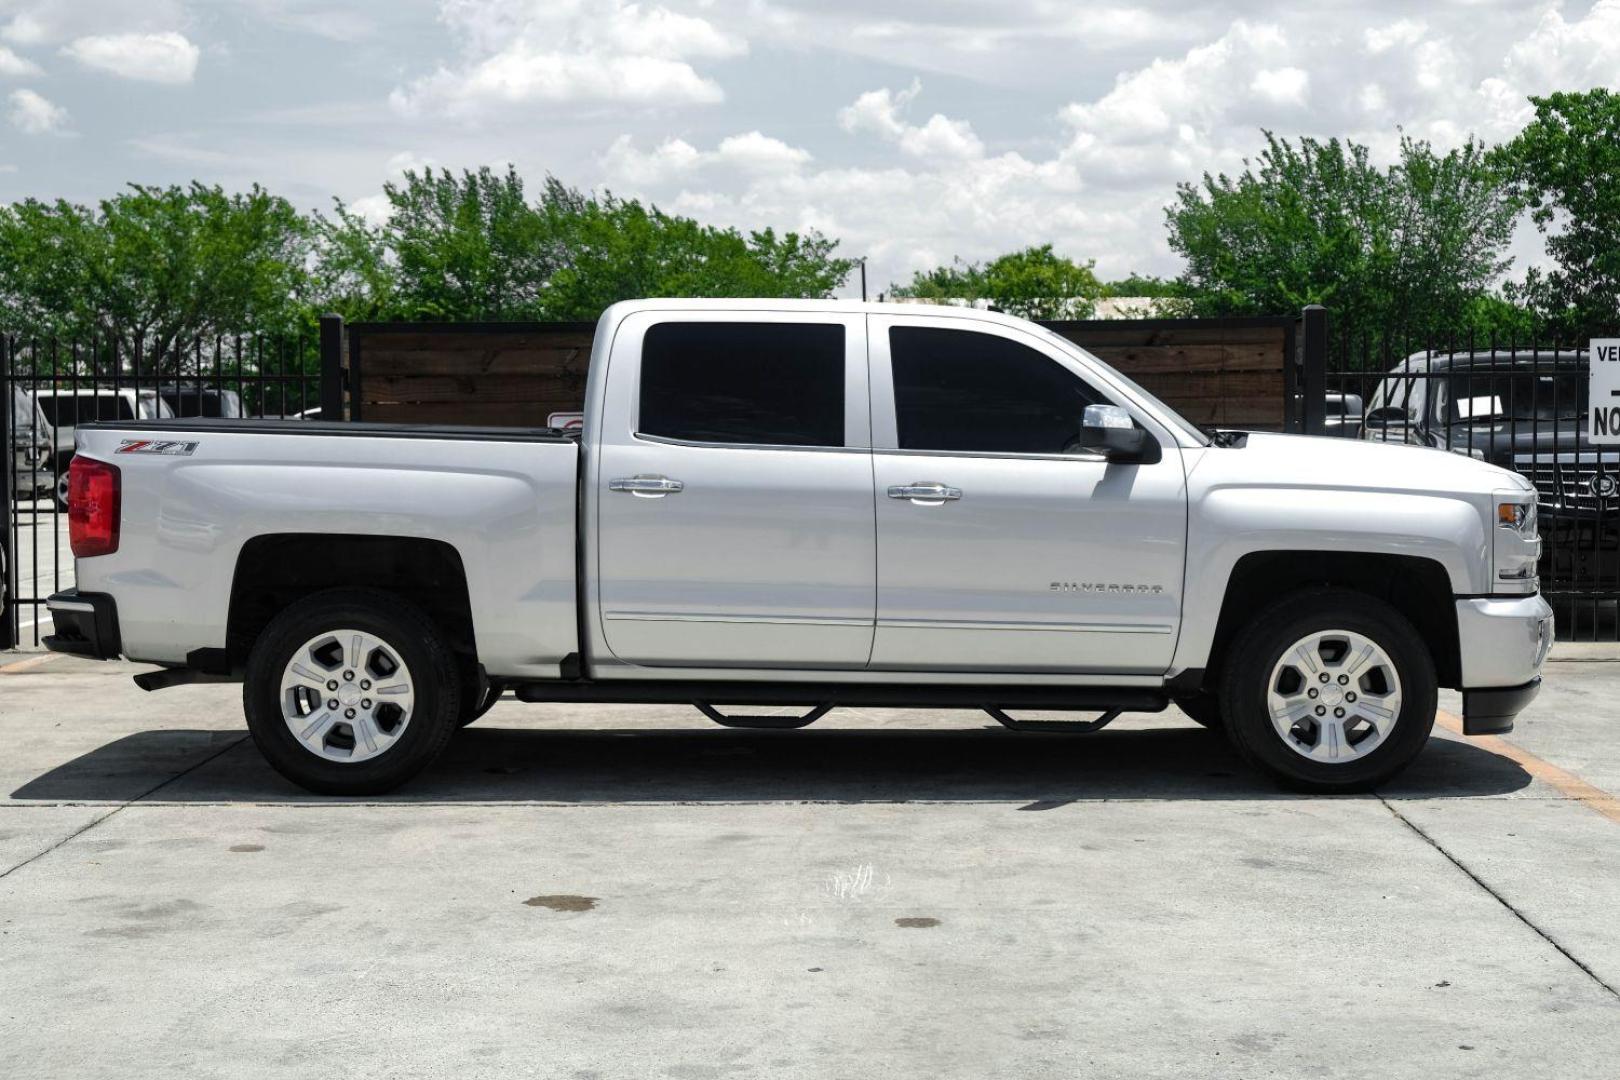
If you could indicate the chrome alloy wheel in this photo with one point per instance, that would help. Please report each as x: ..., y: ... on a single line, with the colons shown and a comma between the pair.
x: 1334, y: 696
x: 347, y: 696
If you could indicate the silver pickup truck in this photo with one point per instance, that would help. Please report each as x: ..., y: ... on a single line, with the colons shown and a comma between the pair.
x: 813, y: 504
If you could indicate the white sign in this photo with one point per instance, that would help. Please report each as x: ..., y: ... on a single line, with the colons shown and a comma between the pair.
x: 1603, y: 426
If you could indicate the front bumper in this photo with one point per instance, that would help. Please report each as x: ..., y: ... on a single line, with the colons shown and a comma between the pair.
x: 86, y: 625
x: 1503, y: 642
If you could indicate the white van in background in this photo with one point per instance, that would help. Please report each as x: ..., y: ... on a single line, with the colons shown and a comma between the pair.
x: 64, y: 410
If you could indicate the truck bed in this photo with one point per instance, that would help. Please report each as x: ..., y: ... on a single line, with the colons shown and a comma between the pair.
x: 196, y: 491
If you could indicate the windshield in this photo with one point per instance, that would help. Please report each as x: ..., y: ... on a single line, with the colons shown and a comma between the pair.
x: 1497, y: 397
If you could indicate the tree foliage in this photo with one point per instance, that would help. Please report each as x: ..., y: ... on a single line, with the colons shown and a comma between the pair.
x: 153, y: 266
x: 473, y: 246
x: 1411, y: 249
x: 1035, y: 283
x: 1565, y: 165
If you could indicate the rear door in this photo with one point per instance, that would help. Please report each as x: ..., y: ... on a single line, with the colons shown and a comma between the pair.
x: 734, y: 513
x: 1002, y: 546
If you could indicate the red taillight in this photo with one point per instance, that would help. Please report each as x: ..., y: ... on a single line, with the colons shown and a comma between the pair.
x: 93, y: 497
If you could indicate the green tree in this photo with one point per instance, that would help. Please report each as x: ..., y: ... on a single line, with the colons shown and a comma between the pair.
x: 615, y: 249
x: 1035, y: 283
x: 474, y: 247
x: 1565, y: 165
x: 1409, y: 251
x: 153, y: 267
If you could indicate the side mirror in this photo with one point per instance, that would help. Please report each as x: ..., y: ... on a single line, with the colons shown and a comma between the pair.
x: 1387, y: 417
x: 1109, y: 430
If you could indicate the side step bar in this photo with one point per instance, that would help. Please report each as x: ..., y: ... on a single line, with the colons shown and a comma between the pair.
x: 763, y: 723
x: 868, y: 695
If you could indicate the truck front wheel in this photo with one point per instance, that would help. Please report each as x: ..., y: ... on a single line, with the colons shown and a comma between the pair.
x: 351, y: 692
x: 1329, y: 691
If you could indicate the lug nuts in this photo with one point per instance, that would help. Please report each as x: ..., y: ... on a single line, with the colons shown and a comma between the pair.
x: 366, y: 704
x: 1321, y: 710
x: 1350, y: 696
x: 1343, y: 679
x: 331, y: 684
x: 1339, y: 713
x: 1311, y: 692
x: 1323, y: 676
x: 348, y: 676
x: 365, y: 684
x: 332, y: 704
x: 348, y: 714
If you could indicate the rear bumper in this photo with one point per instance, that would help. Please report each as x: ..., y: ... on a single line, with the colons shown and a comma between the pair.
x: 86, y: 625
x: 1491, y: 711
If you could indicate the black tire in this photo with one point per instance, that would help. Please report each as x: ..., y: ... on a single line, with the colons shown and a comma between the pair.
x: 59, y: 489
x: 1258, y: 649
x: 1202, y: 708
x: 436, y: 684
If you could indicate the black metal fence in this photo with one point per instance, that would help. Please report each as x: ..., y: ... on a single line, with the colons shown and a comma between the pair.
x: 48, y: 386
x: 1520, y: 404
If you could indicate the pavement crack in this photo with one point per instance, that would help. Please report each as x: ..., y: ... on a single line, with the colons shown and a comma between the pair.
x: 154, y: 789
x: 1499, y: 898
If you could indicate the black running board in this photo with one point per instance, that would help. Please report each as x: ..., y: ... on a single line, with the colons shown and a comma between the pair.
x: 764, y: 723
x: 864, y: 695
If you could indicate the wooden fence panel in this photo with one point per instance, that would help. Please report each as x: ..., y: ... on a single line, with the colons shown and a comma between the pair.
x: 1223, y: 372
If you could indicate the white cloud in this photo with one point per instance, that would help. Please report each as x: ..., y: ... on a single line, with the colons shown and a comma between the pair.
x: 45, y: 22
x: 751, y: 154
x: 34, y: 115
x: 17, y: 66
x: 879, y: 112
x: 524, y: 52
x: 1401, y: 33
x: 1281, y: 86
x: 161, y: 58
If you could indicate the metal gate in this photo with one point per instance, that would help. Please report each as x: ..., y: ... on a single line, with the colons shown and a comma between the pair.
x: 48, y: 386
x: 1522, y: 405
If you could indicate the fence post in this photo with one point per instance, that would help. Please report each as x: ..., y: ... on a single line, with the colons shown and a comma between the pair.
x: 1313, y: 368
x: 331, y: 367
x: 8, y: 462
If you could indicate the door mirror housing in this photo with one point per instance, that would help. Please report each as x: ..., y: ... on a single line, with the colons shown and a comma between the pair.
x: 1387, y: 417
x: 1109, y: 430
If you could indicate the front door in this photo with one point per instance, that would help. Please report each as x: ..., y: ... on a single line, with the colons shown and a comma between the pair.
x: 735, y: 525
x: 1003, y: 547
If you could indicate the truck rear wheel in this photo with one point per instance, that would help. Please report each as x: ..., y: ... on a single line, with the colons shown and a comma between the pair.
x: 351, y: 692
x: 1329, y: 691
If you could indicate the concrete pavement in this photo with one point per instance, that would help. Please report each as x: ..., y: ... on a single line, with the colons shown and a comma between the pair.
x: 631, y: 892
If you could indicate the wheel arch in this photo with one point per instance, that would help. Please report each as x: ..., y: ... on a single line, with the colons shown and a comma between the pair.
x: 278, y: 569
x: 1419, y: 588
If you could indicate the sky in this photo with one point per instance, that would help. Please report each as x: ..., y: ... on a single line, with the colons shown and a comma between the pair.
x: 914, y: 131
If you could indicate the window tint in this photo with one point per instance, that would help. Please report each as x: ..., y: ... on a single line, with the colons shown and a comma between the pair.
x: 961, y: 390
x: 778, y: 384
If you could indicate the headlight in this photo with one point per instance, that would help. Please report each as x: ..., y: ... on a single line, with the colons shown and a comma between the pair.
x: 1515, y: 544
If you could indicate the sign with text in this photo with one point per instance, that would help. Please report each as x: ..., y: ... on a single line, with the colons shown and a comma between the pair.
x: 1603, y: 426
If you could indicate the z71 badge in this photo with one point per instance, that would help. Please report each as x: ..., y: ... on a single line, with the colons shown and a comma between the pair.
x: 166, y: 447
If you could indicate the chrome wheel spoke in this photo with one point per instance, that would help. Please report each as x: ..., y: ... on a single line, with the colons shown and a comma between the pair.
x: 1334, y: 696
x: 330, y: 704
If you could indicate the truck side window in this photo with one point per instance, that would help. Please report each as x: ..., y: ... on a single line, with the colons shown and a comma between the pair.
x: 967, y: 391
x: 773, y: 384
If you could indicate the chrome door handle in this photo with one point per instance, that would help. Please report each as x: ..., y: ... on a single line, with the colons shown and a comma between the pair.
x: 925, y: 493
x: 647, y: 487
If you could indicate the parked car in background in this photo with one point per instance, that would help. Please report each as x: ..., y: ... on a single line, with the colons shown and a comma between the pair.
x: 196, y: 399
x: 821, y: 503
x: 30, y: 451
x: 1525, y: 411
x: 65, y: 410
x: 1342, y: 415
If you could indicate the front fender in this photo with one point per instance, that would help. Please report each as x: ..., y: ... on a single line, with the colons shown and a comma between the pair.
x: 1228, y: 523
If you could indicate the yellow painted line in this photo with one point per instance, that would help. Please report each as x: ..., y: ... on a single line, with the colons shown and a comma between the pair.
x: 25, y: 665
x: 1567, y: 783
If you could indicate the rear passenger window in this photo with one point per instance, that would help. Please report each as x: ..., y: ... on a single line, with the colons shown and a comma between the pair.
x: 966, y: 391
x: 775, y: 384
